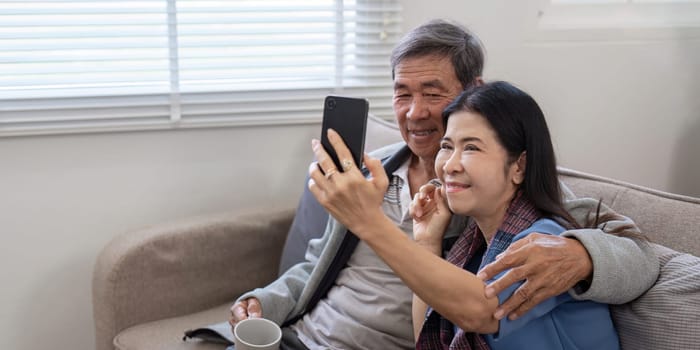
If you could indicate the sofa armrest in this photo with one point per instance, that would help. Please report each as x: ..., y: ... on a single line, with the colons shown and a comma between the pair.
x: 180, y: 268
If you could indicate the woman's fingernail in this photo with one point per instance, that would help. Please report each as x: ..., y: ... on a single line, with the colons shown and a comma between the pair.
x: 331, y: 134
x: 489, y: 292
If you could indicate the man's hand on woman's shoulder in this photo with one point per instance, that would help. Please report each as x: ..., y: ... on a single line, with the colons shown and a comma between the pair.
x: 548, y: 265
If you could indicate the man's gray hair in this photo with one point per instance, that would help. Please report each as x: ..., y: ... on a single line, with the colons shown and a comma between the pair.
x: 447, y: 39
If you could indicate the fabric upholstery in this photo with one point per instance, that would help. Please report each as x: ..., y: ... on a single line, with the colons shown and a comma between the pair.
x: 183, y: 267
x: 167, y: 334
x: 668, y: 219
x: 669, y: 322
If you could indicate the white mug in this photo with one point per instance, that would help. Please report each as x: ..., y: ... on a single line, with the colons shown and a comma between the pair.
x: 257, y: 334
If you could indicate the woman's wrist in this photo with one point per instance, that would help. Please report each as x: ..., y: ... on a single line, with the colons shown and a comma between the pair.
x: 371, y: 226
x: 431, y: 245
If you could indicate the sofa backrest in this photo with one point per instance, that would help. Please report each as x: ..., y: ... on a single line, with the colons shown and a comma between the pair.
x: 668, y: 219
x: 380, y: 133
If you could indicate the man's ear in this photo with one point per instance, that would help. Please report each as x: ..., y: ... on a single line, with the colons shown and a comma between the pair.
x: 520, y: 165
x: 478, y: 81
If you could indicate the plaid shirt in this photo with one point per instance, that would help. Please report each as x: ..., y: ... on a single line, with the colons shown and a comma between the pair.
x: 438, y: 332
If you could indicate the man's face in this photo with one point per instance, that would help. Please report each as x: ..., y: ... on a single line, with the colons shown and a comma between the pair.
x: 423, y: 87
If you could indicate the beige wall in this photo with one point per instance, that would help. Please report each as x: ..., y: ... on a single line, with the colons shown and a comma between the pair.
x: 626, y: 109
x: 623, y: 104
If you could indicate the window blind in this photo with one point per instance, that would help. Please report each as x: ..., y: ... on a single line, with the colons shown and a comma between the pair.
x: 85, y: 65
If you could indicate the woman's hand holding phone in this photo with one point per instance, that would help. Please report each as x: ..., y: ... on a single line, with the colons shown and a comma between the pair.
x: 350, y: 197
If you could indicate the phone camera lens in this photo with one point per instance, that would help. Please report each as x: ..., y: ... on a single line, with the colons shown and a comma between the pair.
x: 330, y: 103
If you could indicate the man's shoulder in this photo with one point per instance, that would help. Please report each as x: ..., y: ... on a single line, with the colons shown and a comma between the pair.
x: 387, y: 151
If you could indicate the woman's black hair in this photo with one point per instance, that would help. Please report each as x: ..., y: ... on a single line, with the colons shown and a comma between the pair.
x: 520, y: 127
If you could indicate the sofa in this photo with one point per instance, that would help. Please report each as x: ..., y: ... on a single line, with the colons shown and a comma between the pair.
x: 152, y: 284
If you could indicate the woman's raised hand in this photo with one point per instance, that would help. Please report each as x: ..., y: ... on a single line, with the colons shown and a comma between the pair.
x: 352, y: 199
x: 431, y: 215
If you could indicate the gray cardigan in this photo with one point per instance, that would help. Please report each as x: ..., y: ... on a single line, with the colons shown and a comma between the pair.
x: 623, y: 268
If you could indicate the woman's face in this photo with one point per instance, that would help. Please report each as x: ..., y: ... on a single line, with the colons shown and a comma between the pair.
x: 474, y: 169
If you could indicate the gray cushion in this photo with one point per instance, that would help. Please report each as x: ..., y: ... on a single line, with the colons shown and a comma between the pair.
x: 667, y: 316
x: 309, y: 222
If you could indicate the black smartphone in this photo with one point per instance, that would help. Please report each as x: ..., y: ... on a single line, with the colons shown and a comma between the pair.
x: 348, y: 117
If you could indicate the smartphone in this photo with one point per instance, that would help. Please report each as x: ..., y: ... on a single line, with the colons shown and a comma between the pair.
x: 348, y: 117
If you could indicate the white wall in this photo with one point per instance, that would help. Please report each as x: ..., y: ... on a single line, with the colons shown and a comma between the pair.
x: 622, y: 104
x: 625, y: 109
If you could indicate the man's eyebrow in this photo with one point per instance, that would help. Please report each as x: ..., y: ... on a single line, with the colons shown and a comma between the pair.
x: 433, y: 84
x: 427, y: 84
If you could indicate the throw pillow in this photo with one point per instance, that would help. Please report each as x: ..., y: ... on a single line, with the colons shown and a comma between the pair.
x: 667, y: 316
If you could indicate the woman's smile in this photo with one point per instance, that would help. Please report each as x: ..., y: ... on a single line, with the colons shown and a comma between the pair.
x: 454, y: 187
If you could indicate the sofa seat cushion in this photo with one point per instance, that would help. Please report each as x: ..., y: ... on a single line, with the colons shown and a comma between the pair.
x: 167, y: 334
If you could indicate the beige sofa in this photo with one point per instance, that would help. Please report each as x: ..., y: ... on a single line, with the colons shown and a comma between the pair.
x: 150, y: 285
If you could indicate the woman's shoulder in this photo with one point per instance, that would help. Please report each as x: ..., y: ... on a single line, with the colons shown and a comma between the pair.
x: 545, y: 226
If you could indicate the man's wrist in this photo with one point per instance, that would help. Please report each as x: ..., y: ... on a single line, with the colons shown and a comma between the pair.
x: 585, y: 277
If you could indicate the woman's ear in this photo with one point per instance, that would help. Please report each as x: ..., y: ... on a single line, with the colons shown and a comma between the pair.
x: 520, y: 165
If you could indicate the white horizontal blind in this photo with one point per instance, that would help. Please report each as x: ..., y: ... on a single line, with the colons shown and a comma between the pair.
x: 72, y: 66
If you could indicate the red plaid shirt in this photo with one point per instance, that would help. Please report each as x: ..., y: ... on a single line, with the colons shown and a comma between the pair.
x: 438, y: 332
